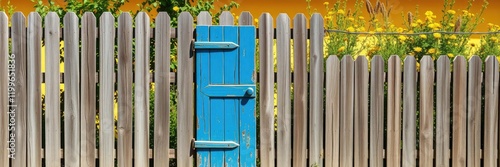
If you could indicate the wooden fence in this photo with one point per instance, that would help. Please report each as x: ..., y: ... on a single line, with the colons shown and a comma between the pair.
x: 371, y: 115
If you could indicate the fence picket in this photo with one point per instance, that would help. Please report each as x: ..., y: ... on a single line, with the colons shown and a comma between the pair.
x: 88, y: 87
x: 4, y: 105
x: 394, y: 112
x: 18, y: 34
x: 459, y: 111
x: 106, y: 88
x: 52, y: 99
x: 141, y: 130
x: 332, y: 111
x: 284, y: 104
x: 245, y: 18
x: 316, y: 113
x: 474, y: 112
x: 409, y: 111
x: 226, y: 18
x: 426, y: 111
x: 125, y: 108
x: 443, y: 112
x: 162, y: 90
x: 491, y: 111
x: 266, y: 90
x: 299, y: 91
x: 361, y: 112
x: 185, y: 90
x: 71, y: 91
x: 377, y: 111
x: 347, y: 112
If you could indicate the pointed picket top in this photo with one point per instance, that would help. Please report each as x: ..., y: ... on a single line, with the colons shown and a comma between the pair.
x: 125, y: 16
x: 475, y: 58
x: 426, y: 62
x: 443, y: 59
x: 491, y: 59
x: 245, y: 18
x: 394, y: 58
x: 162, y: 16
x: 377, y: 59
x: 332, y: 59
x: 106, y: 17
x: 226, y: 18
x: 35, y: 16
x: 70, y: 15
x: 265, y: 20
x: 204, y: 18
x: 18, y: 15
x: 3, y: 15
x: 283, y: 18
x: 186, y: 18
x: 361, y: 58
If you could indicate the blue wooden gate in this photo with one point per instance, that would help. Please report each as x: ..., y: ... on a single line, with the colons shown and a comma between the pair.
x: 225, y: 96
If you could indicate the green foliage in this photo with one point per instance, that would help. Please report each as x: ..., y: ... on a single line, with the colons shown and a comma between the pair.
x: 8, y: 9
x: 79, y: 7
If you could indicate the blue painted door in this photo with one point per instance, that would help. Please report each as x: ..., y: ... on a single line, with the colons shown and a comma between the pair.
x: 225, y: 96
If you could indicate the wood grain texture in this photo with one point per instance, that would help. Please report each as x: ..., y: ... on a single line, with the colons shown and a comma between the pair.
x: 266, y: 91
x: 299, y: 91
x: 34, y: 99
x: 141, y: 113
x: 106, y: 89
x: 162, y: 89
x: 459, y: 128
x: 4, y: 104
x: 185, y: 90
x: 125, y: 107
x: 52, y: 96
x: 316, y: 114
x: 245, y: 18
x: 474, y: 112
x: 347, y: 112
x: 426, y: 111
x: 491, y: 111
x: 226, y: 18
x: 409, y: 111
x: 443, y: 112
x: 332, y: 111
x: 361, y: 112
x: 88, y: 90
x: 394, y: 112
x: 71, y: 91
x: 204, y: 18
x: 18, y: 34
x: 377, y: 111
x: 284, y: 148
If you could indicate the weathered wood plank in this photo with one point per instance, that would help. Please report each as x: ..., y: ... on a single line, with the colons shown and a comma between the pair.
x: 377, y: 111
x: 409, y: 111
x: 347, y: 112
x: 490, y: 153
x: 459, y: 112
x: 266, y: 90
x: 141, y: 131
x: 332, y: 111
x: 19, y: 105
x: 125, y: 108
x: 426, y: 111
x: 299, y: 90
x: 106, y: 89
x: 88, y: 89
x: 245, y: 18
x: 394, y: 112
x: 316, y: 113
x: 162, y: 89
x: 4, y: 105
x: 34, y: 99
x: 71, y: 91
x: 361, y: 112
x: 185, y: 90
x: 474, y: 112
x: 226, y: 18
x: 52, y: 99
x: 284, y: 148
x: 443, y: 112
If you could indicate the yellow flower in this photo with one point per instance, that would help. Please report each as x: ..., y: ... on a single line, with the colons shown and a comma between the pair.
x: 429, y: 13
x: 450, y: 55
x: 417, y: 49
x: 451, y: 25
x: 431, y: 51
x: 419, y: 21
x: 361, y: 29
x: 379, y: 29
x: 452, y: 12
x: 350, y: 29
x: 351, y: 19
x: 340, y: 11
x: 326, y: 3
x: 494, y: 39
x: 176, y: 9
x: 400, y: 30
x: 371, y: 32
x: 361, y: 17
x: 423, y: 36
x: 414, y: 24
x: 436, y: 35
x: 453, y: 37
x: 330, y: 13
x: 341, y: 49
x: 256, y: 20
x: 328, y: 17
x: 402, y: 38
